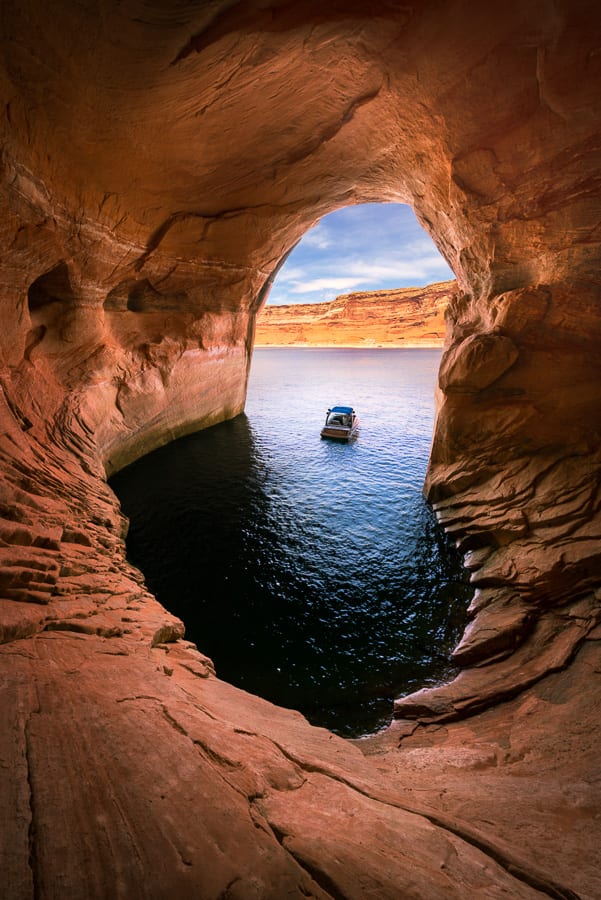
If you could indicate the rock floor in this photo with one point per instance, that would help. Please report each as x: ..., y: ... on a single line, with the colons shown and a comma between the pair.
x: 135, y: 772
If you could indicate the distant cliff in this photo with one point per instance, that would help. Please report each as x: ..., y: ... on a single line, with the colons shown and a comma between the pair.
x: 407, y: 317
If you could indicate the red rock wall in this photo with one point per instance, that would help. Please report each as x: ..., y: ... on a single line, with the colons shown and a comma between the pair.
x: 407, y: 317
x: 158, y: 162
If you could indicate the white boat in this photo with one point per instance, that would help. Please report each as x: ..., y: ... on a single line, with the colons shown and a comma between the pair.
x: 342, y: 423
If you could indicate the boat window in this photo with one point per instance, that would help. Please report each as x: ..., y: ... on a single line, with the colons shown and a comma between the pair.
x: 336, y: 418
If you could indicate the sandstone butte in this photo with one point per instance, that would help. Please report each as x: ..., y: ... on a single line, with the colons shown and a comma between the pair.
x: 159, y: 160
x: 406, y: 317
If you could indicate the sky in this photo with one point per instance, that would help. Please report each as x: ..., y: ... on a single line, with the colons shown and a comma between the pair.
x: 370, y: 247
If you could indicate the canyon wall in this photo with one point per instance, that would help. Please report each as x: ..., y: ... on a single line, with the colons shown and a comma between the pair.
x: 406, y: 317
x: 159, y: 160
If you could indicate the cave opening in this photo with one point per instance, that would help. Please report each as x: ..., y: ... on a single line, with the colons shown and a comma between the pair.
x: 365, y: 247
x: 314, y: 574
x: 187, y: 145
x: 49, y: 288
x: 140, y: 296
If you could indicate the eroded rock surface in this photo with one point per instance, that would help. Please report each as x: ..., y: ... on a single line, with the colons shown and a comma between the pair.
x: 159, y: 161
x: 407, y: 317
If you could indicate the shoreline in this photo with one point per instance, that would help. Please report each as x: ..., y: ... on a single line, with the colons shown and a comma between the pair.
x: 403, y: 318
x: 363, y: 346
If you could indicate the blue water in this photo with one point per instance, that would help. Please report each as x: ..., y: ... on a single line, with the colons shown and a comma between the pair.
x: 312, y: 572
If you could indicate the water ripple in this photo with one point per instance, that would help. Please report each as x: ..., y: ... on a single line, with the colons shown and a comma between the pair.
x: 312, y: 572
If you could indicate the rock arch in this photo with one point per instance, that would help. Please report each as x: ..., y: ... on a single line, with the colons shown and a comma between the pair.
x: 179, y: 152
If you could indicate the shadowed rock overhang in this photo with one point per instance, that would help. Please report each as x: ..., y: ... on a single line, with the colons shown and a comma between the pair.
x: 159, y: 160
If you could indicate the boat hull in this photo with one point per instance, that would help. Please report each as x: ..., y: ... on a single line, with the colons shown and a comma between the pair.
x: 338, y: 434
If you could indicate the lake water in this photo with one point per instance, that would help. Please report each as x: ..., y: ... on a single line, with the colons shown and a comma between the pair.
x: 312, y: 572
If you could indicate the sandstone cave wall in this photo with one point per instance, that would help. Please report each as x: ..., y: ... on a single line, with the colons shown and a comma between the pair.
x: 142, y: 245
x: 137, y: 255
x: 159, y: 160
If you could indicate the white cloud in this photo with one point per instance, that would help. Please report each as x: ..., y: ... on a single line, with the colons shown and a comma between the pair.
x: 322, y: 284
x: 397, y: 269
x: 366, y: 247
x: 347, y: 273
x: 286, y: 274
x: 318, y: 237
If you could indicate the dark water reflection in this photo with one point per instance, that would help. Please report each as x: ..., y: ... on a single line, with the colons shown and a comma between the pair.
x: 313, y: 573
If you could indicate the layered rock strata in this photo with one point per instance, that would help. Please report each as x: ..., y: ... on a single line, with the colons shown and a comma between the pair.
x: 159, y: 161
x: 530, y: 528
x: 406, y: 317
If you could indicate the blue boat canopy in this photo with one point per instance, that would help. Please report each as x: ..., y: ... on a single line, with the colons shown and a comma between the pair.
x: 342, y: 409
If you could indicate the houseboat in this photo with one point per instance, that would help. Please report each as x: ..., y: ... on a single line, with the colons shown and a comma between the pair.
x: 342, y: 423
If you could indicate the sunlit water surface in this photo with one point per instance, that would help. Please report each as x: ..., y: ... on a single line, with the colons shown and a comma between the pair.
x: 312, y: 572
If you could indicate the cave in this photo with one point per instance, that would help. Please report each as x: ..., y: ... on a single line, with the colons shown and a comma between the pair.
x: 159, y: 161
x: 51, y: 287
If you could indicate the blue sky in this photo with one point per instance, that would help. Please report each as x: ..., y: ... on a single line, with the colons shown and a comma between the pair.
x: 371, y: 247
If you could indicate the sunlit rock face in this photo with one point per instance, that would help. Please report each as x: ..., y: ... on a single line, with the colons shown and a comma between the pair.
x: 159, y: 160
x: 407, y: 317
